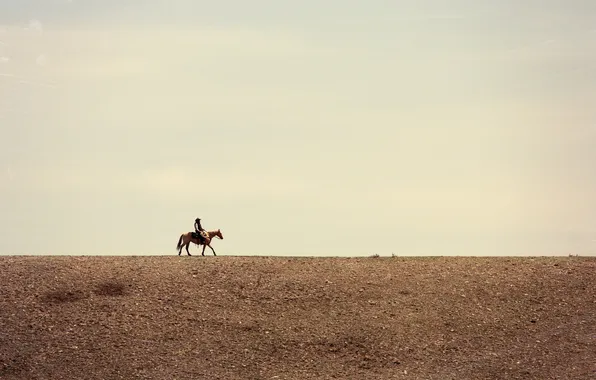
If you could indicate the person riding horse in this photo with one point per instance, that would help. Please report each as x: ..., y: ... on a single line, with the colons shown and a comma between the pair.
x: 199, y: 230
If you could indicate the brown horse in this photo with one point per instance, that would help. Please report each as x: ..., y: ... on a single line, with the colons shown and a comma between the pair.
x: 187, y: 238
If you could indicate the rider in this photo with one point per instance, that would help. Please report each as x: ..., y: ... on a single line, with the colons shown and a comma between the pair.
x: 199, y: 229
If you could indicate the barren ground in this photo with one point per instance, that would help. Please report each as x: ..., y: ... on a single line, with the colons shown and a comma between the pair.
x: 170, y: 317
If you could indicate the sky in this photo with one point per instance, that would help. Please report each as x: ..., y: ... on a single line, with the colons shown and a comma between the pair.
x: 332, y: 128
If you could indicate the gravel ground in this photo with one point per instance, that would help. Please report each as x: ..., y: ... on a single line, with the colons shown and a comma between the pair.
x: 170, y: 317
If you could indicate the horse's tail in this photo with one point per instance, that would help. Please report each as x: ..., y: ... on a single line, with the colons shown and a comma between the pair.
x: 179, y: 242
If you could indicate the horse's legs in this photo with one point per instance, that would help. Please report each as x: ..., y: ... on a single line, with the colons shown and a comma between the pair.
x: 188, y: 253
x: 212, y: 250
x: 203, y: 252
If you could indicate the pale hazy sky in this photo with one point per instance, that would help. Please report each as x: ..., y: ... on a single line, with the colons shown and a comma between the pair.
x: 304, y: 127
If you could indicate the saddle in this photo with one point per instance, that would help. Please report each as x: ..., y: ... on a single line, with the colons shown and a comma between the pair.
x: 201, y: 236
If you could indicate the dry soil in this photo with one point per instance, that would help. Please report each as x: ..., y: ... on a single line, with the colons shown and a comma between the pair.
x: 170, y: 317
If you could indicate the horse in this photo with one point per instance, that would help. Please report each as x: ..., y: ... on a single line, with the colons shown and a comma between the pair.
x: 187, y: 238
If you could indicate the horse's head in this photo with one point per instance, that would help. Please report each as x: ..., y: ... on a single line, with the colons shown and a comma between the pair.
x: 219, y: 234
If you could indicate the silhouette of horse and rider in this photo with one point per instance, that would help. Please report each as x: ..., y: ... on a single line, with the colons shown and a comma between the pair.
x: 199, y: 236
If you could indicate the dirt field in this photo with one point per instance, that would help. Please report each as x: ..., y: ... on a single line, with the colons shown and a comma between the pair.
x: 173, y: 317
